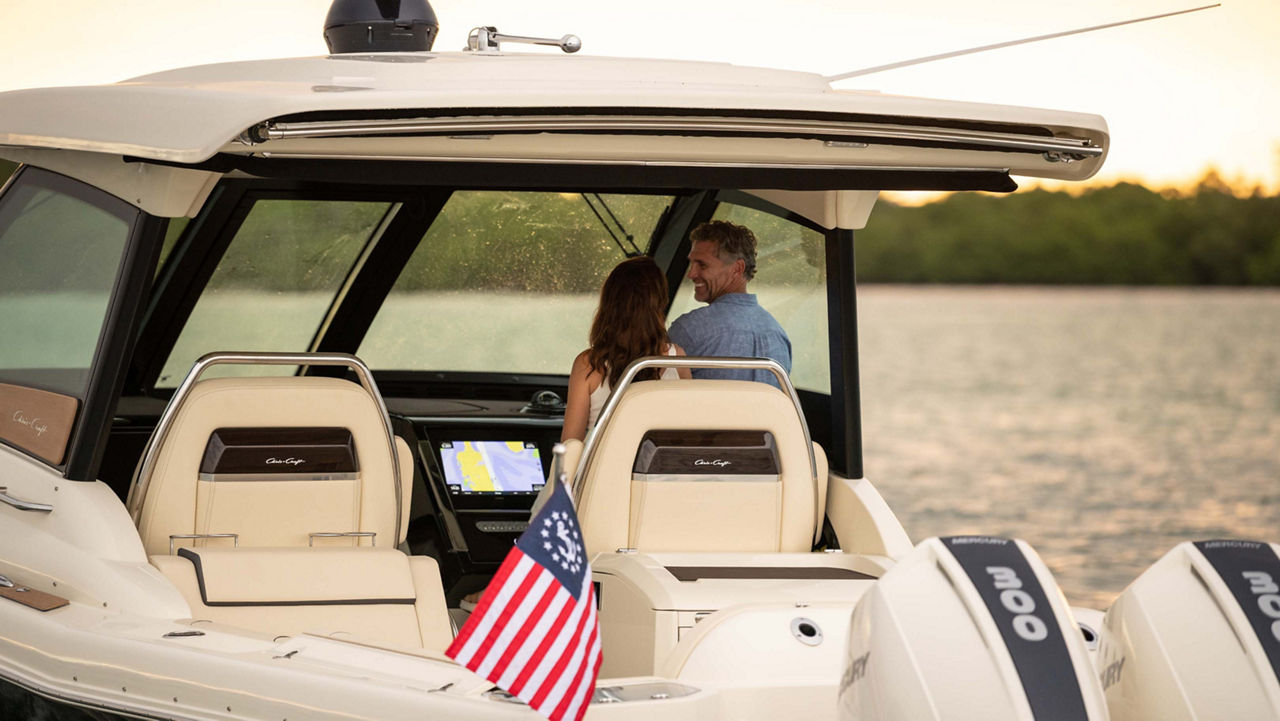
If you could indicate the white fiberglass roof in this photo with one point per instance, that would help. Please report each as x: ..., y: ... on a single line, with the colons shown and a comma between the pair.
x: 189, y: 115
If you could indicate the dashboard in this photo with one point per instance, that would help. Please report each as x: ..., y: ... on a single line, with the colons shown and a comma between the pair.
x: 480, y: 466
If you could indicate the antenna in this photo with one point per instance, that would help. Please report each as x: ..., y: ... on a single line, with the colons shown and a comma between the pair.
x: 1009, y: 43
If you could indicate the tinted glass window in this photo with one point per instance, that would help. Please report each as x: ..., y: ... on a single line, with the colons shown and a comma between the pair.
x: 790, y: 283
x: 171, y: 236
x: 59, y: 258
x: 507, y: 281
x: 276, y: 282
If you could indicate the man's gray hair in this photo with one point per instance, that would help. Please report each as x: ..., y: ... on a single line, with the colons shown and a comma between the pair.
x: 732, y: 241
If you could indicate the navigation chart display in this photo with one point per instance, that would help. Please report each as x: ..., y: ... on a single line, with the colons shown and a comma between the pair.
x: 492, y: 466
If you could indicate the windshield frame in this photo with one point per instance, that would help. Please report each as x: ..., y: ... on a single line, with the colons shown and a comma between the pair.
x: 197, y: 253
x: 834, y: 416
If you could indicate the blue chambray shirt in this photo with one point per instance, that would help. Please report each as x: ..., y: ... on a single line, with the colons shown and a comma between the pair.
x: 733, y: 325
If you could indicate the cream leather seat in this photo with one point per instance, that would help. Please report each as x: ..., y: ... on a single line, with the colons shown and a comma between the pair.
x: 274, y: 504
x: 269, y: 461
x: 701, y: 465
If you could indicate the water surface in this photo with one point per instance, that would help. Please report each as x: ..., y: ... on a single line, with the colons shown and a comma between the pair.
x: 1103, y: 426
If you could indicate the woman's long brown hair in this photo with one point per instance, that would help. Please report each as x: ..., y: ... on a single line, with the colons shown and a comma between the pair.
x: 631, y: 319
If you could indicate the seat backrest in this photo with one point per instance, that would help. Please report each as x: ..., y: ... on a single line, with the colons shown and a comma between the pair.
x: 701, y: 465
x: 274, y: 461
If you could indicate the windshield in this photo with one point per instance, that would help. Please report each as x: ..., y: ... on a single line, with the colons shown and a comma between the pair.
x: 506, y: 281
x: 275, y: 283
x: 500, y: 281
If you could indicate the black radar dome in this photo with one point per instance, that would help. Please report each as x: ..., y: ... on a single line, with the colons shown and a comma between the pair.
x: 380, y: 26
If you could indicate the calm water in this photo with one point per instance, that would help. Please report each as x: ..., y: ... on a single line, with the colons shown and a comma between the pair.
x: 1101, y: 426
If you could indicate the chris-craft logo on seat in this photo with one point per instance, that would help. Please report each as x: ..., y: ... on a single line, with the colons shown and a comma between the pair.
x: 286, y: 461
x: 36, y: 425
x: 716, y: 462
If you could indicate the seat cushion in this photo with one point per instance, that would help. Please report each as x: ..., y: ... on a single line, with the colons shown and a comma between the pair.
x: 371, y: 594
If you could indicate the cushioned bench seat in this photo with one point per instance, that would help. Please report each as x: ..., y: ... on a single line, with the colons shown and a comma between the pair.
x: 374, y: 595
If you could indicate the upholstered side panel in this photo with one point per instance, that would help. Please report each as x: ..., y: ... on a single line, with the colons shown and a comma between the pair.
x: 170, y: 506
x: 406, y: 486
x: 820, y: 458
x: 433, y: 615
x: 606, y: 503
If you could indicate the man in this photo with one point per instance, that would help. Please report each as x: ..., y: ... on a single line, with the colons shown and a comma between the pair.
x: 721, y: 261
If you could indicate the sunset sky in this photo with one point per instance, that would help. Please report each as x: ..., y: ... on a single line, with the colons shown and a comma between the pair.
x: 1180, y: 94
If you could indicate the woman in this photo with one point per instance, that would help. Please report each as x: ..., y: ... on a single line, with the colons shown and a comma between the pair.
x: 629, y: 324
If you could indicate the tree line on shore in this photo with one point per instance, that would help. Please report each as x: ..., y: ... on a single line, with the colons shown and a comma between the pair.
x: 1124, y: 234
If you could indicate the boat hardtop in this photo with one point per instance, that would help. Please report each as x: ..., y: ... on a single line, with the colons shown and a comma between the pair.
x: 188, y: 116
x: 282, y: 377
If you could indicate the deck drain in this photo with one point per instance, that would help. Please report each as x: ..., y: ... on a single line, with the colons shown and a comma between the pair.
x: 806, y: 631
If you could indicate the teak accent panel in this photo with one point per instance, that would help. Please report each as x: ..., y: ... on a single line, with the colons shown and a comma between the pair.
x: 39, y: 422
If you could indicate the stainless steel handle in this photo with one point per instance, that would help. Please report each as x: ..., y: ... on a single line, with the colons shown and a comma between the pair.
x: 371, y: 535
x: 22, y: 505
x: 235, y: 538
x: 487, y: 39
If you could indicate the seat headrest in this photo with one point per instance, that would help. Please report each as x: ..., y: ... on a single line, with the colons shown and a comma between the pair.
x: 697, y: 405
x: 275, y: 452
x: 706, y: 454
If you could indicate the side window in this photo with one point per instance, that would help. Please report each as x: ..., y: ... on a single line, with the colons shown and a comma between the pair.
x: 59, y: 259
x: 275, y: 283
x: 790, y: 283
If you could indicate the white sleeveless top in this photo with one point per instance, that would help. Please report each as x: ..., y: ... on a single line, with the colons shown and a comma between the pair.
x: 601, y: 394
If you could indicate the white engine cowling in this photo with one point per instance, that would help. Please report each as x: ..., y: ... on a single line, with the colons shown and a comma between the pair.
x: 1197, y: 636
x: 967, y: 627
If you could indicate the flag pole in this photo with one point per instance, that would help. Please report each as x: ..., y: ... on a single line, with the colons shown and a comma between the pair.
x: 557, y: 469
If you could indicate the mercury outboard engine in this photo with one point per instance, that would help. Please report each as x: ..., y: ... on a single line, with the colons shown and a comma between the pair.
x: 968, y: 627
x: 380, y: 26
x: 1197, y: 636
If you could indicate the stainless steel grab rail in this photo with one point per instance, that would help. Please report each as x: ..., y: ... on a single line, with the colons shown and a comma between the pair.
x: 839, y: 130
x: 696, y: 362
x: 23, y: 505
x: 142, y: 479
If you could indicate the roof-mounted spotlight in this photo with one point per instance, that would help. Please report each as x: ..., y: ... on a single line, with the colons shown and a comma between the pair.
x: 380, y: 26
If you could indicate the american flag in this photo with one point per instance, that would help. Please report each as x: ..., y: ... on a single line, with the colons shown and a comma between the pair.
x: 534, y: 631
